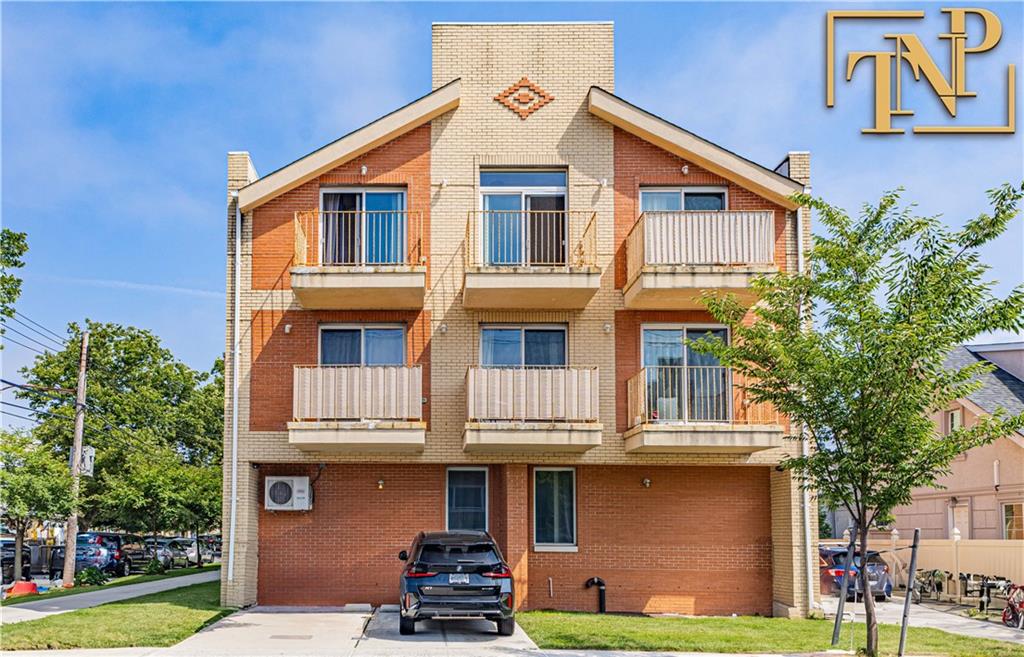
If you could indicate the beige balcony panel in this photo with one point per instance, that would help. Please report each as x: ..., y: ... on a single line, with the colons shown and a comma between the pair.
x: 532, y: 437
x: 674, y: 257
x: 706, y: 438
x: 532, y: 409
x: 354, y: 437
x: 530, y: 288
x: 384, y: 287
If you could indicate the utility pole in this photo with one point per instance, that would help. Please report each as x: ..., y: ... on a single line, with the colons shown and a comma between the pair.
x: 71, y: 535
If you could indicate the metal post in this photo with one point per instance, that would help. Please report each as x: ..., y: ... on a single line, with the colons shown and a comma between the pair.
x: 910, y: 590
x: 845, y: 584
x: 71, y: 535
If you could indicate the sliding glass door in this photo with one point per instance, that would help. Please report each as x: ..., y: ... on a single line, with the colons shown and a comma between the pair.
x: 524, y: 218
x: 684, y: 385
x: 363, y: 227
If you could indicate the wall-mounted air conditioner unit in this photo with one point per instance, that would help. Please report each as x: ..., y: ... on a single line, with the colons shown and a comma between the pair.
x: 287, y: 494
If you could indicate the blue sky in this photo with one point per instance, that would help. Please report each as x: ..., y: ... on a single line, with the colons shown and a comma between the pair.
x: 117, y: 118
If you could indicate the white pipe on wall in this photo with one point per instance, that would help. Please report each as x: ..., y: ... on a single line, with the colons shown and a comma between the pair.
x: 236, y: 296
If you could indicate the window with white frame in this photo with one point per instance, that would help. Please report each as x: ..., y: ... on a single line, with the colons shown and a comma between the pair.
x: 1013, y: 521
x: 524, y: 221
x: 670, y: 199
x: 523, y: 346
x: 466, y: 499
x: 356, y: 344
x: 362, y: 226
x: 554, y: 507
x: 954, y: 420
x: 684, y: 384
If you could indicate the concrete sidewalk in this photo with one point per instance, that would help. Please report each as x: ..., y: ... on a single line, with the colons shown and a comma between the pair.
x: 42, y: 608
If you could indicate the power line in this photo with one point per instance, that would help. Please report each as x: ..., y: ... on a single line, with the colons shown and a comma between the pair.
x: 34, y: 411
x: 54, y: 333
x: 22, y: 417
x: 27, y: 337
x: 60, y: 343
x: 13, y: 341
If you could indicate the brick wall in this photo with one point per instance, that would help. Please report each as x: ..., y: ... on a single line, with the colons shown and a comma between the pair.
x: 640, y: 163
x: 403, y: 162
x: 275, y: 353
x: 698, y: 541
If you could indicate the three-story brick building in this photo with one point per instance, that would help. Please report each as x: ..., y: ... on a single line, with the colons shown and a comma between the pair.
x: 472, y: 313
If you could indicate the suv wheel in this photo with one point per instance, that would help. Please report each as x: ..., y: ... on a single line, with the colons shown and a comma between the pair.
x: 126, y: 568
x: 406, y: 626
x: 506, y: 626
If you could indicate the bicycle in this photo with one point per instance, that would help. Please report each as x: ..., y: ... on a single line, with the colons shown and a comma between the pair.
x: 927, y: 582
x: 1013, y: 614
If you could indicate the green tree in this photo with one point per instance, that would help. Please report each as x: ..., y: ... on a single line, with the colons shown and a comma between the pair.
x: 145, y: 496
x: 892, y: 293
x: 13, y: 246
x: 35, y: 485
x: 139, y: 397
x: 198, y: 508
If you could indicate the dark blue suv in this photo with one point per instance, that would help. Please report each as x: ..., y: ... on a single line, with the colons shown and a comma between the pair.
x: 456, y: 575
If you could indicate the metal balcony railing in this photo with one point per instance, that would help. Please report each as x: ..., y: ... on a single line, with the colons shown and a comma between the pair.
x: 692, y: 394
x: 700, y: 238
x: 531, y: 238
x: 344, y: 238
x: 532, y: 394
x: 343, y: 392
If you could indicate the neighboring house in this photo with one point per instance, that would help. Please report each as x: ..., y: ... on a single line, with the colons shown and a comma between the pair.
x: 983, y: 495
x: 471, y: 312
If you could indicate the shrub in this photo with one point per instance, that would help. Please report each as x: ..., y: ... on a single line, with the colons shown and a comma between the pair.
x: 91, y: 576
x: 154, y: 567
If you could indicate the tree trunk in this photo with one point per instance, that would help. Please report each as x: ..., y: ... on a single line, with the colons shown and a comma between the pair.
x: 869, y: 599
x: 19, y: 540
x: 199, y: 554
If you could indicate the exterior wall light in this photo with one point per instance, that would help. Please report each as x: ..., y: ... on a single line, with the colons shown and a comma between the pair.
x: 686, y: 169
x: 443, y: 328
x: 604, y: 182
x: 607, y: 327
x: 645, y: 482
x: 362, y: 170
x: 287, y: 328
x: 380, y: 484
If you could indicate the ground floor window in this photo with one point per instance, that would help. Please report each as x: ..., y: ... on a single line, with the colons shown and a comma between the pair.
x: 554, y: 507
x: 467, y: 498
x: 1013, y: 521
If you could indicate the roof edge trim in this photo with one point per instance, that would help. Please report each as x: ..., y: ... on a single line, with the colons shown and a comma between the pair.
x: 364, y: 139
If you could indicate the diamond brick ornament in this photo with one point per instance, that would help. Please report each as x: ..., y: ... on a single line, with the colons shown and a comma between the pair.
x: 524, y: 98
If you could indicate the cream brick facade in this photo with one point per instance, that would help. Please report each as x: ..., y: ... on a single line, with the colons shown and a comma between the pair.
x: 565, y: 59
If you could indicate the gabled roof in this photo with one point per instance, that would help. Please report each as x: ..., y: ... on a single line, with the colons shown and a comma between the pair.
x: 689, y: 146
x: 999, y: 388
x: 351, y: 146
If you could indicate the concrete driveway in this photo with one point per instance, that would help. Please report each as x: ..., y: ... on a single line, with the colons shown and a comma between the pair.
x: 339, y: 632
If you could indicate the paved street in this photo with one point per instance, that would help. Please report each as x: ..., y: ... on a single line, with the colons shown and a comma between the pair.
x: 925, y: 615
x: 42, y: 608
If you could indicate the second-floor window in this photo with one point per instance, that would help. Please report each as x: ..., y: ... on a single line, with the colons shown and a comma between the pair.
x: 524, y: 221
x: 671, y: 199
x: 363, y: 226
x: 523, y: 346
x: 682, y: 383
x: 362, y: 345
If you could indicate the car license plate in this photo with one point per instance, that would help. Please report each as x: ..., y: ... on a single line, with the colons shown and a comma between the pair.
x: 458, y: 578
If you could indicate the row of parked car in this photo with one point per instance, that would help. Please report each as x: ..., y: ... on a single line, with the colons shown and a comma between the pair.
x: 116, y: 554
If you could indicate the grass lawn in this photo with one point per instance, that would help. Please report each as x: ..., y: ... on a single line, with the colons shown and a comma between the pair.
x: 117, y: 581
x: 159, y: 619
x: 553, y: 630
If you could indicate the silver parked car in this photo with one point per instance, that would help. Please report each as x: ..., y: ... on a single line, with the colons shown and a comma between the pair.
x: 170, y: 552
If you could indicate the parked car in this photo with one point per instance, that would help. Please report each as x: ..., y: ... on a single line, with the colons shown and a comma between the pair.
x: 455, y: 574
x: 116, y: 554
x: 7, y: 561
x: 189, y: 545
x: 213, y: 542
x: 832, y: 561
x: 169, y: 551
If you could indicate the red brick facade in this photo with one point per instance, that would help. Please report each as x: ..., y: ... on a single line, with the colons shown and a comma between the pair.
x: 697, y: 541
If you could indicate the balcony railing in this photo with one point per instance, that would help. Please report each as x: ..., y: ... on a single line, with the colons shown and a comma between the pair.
x: 692, y: 394
x: 700, y: 238
x: 532, y: 394
x: 330, y: 392
x: 531, y: 238
x: 365, y: 238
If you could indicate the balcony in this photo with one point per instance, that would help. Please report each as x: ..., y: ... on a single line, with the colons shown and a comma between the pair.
x: 532, y: 409
x: 531, y: 259
x: 357, y: 409
x: 358, y: 260
x: 696, y: 409
x: 672, y: 257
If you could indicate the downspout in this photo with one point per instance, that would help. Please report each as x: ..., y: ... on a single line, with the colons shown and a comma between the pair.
x: 804, y: 448
x: 236, y: 296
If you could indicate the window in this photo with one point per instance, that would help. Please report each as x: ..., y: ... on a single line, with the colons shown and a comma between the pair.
x: 554, y: 508
x: 954, y: 420
x: 362, y: 226
x: 524, y: 220
x: 362, y: 345
x: 1013, y: 521
x: 521, y: 346
x: 467, y: 498
x: 683, y: 384
x: 670, y: 199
